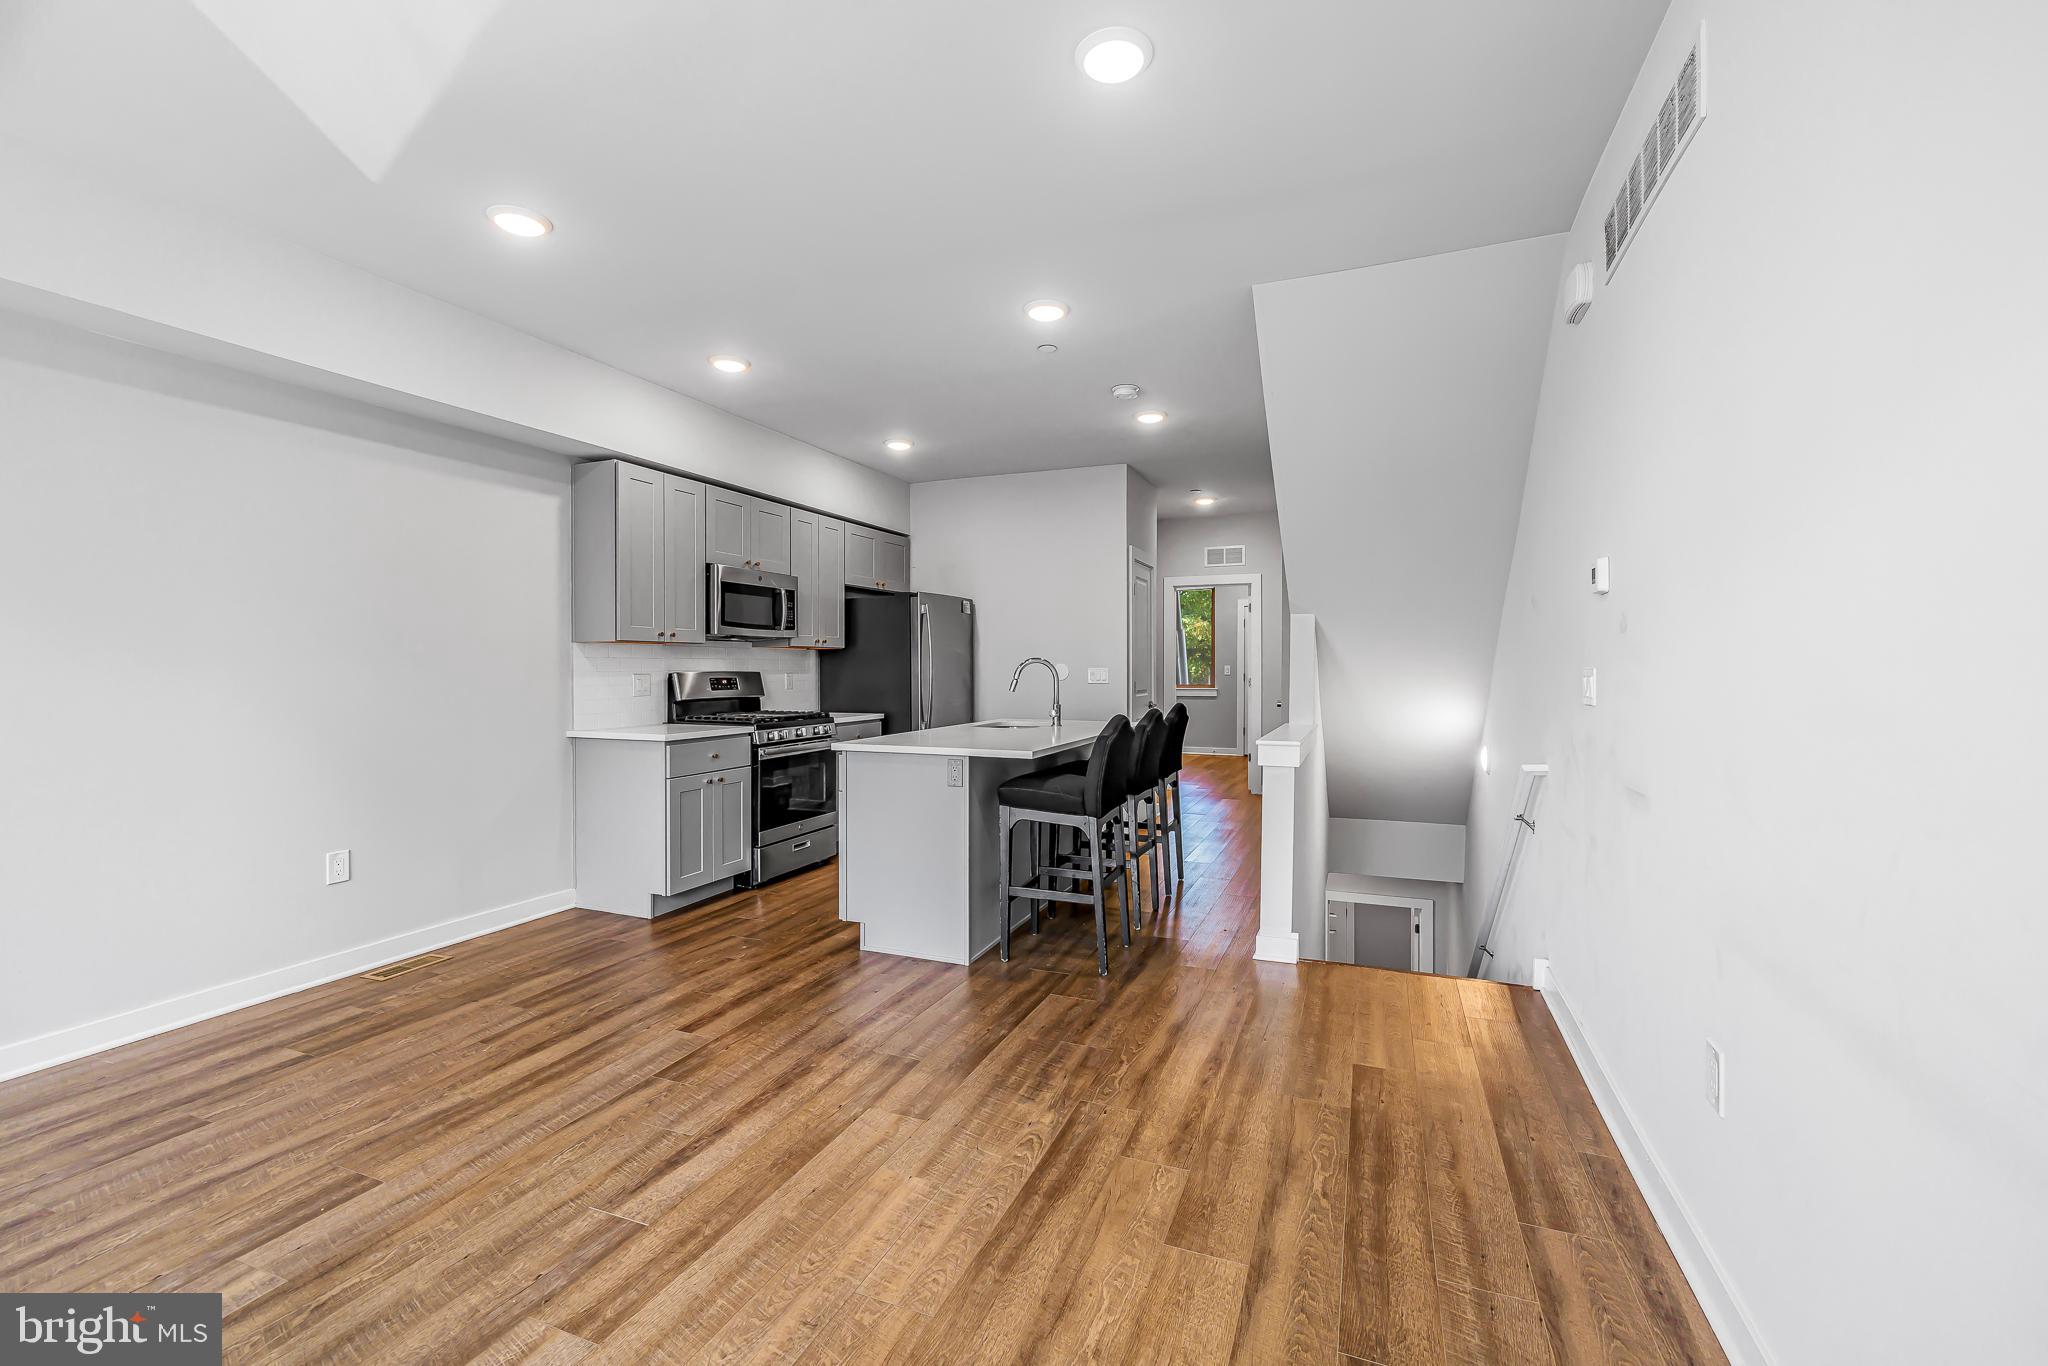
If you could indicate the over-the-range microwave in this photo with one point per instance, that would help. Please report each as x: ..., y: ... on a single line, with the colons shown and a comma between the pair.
x: 750, y: 604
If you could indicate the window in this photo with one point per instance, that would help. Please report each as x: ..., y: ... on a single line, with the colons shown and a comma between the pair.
x: 1197, y: 637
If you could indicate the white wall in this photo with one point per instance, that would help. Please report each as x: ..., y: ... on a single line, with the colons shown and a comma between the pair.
x: 243, y: 626
x: 1400, y: 400
x: 1805, y: 420
x: 1411, y: 849
x: 1044, y: 556
x: 1181, y: 542
x: 208, y: 286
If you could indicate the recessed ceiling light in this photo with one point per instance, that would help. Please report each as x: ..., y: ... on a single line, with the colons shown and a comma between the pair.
x: 899, y: 445
x: 731, y: 365
x: 1207, y: 500
x: 519, y: 222
x: 1125, y: 391
x: 1152, y: 418
x: 1114, y: 55
x: 1045, y: 310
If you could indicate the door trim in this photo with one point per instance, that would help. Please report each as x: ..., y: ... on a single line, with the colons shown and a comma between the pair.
x: 1251, y: 695
x: 1422, y: 914
x: 1132, y: 559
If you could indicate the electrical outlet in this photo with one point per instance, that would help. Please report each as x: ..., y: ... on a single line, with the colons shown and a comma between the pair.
x: 1589, y: 687
x: 1717, y: 1079
x: 337, y: 867
x: 643, y: 685
x: 1539, y: 974
x: 956, y: 773
x: 1098, y: 675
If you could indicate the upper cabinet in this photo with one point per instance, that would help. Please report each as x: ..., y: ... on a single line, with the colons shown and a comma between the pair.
x: 642, y: 538
x: 637, y: 561
x: 818, y: 552
x: 892, y: 562
x: 746, y: 532
x: 877, y: 559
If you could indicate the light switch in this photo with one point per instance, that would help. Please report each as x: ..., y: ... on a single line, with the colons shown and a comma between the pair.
x: 1098, y: 675
x: 1600, y: 575
x: 1589, y: 687
x: 1226, y: 670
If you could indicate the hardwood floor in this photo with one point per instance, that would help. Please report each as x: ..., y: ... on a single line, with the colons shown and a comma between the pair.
x: 728, y: 1135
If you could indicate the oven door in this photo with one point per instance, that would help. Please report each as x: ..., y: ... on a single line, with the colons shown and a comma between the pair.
x: 796, y: 790
x: 752, y: 604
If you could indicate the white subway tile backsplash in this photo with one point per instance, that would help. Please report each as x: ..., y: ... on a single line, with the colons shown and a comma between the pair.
x: 601, y: 678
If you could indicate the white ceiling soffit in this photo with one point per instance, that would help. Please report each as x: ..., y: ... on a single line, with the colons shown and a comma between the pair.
x: 1402, y: 399
x: 859, y: 198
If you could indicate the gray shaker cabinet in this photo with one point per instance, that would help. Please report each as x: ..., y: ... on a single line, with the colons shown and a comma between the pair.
x: 746, y: 532
x: 818, y: 557
x: 710, y: 830
x: 892, y: 562
x: 636, y: 568
x: 877, y: 559
x: 860, y: 556
x: 725, y: 527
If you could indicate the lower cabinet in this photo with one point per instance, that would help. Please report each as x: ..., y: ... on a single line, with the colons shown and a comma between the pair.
x: 661, y: 825
x: 709, y: 830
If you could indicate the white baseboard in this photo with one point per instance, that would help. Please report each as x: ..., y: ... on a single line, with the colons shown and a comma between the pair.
x: 1723, y: 1307
x: 1278, y: 948
x: 1207, y: 749
x: 96, y: 1036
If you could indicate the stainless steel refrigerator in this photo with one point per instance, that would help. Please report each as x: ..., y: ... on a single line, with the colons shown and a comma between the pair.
x: 909, y: 656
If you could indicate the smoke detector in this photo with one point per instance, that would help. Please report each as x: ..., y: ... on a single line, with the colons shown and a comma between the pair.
x: 1125, y: 391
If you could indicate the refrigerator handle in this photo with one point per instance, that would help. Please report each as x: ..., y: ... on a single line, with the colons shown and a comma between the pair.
x: 924, y: 666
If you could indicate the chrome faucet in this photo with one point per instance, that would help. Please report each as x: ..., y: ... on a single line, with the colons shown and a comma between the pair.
x: 1050, y: 668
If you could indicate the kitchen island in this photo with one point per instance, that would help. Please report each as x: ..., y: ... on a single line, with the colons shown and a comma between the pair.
x: 917, y: 830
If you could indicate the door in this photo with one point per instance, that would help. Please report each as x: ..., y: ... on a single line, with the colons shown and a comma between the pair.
x: 643, y: 588
x: 803, y: 562
x: 796, y: 789
x: 1140, y: 622
x: 725, y: 526
x: 827, y: 590
x: 860, y: 556
x: 682, y: 557
x: 692, y: 815
x: 768, y: 536
x: 942, y: 682
x: 892, y: 562
x: 1241, y: 670
x: 732, y: 828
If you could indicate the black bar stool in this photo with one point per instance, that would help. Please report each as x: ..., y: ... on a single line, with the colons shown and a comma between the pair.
x: 1088, y: 798
x: 1169, y: 784
x: 1143, y: 814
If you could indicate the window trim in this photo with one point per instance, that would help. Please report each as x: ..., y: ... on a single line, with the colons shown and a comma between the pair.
x: 1181, y: 683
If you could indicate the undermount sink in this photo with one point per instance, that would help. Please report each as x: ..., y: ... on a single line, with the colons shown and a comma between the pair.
x: 1013, y: 725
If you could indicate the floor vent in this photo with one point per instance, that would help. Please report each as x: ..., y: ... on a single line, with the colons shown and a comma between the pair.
x: 404, y: 965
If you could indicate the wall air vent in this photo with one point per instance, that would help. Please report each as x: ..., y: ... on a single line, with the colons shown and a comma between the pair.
x: 1222, y: 557
x: 1678, y: 118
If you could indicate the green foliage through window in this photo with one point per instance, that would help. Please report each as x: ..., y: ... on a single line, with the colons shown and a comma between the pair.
x: 1197, y: 637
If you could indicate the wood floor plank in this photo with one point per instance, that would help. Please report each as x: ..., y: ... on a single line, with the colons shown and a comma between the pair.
x: 730, y: 1135
x: 1389, y: 1312
x: 1590, y: 1305
x: 1484, y: 1329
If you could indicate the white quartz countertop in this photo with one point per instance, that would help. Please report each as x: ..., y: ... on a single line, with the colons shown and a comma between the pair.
x: 1018, y: 739
x: 662, y: 735
x: 858, y: 715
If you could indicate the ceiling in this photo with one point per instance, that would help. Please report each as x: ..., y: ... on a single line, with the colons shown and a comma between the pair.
x: 860, y: 198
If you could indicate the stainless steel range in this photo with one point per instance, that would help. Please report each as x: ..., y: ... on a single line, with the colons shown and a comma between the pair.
x: 796, y: 781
